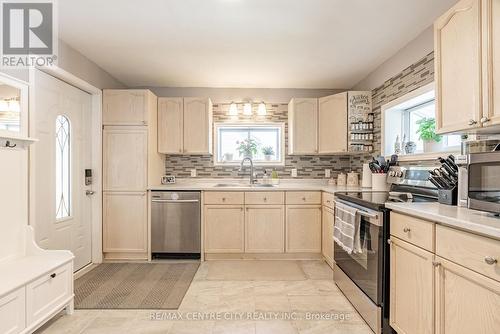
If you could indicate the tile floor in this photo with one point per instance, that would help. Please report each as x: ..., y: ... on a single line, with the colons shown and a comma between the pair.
x: 233, y: 307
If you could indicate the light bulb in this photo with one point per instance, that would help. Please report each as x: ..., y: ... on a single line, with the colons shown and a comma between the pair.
x: 262, y: 109
x: 247, y: 109
x: 233, y: 109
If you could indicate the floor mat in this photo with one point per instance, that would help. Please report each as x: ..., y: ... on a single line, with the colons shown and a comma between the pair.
x: 134, y: 286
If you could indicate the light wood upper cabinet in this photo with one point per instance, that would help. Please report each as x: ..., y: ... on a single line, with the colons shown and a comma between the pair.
x: 332, y: 124
x: 466, y: 302
x: 185, y: 125
x: 412, y: 289
x: 170, y: 125
x: 224, y: 228
x: 303, y: 126
x: 491, y: 62
x: 303, y: 228
x: 264, y: 229
x: 327, y: 225
x: 126, y: 106
x: 125, y: 158
x: 125, y: 222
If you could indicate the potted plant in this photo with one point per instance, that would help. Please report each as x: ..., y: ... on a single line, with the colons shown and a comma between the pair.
x: 427, y: 133
x: 247, y: 148
x: 268, y: 152
x: 228, y: 157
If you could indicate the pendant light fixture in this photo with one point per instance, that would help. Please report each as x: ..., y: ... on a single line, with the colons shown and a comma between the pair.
x: 261, y: 111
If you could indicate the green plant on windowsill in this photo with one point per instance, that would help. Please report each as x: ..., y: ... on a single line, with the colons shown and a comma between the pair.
x: 268, y: 152
x: 427, y: 133
x: 247, y: 147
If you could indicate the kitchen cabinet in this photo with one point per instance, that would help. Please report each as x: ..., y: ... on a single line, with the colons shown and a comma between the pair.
x: 127, y: 106
x: 332, y: 124
x: 224, y: 228
x: 491, y: 61
x: 264, y: 229
x: 412, y: 289
x: 466, y: 301
x: 125, y: 227
x: 303, y: 126
x: 185, y: 125
x: 303, y: 229
x: 327, y: 225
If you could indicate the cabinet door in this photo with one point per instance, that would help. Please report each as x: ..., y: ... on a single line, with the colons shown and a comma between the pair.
x: 170, y: 125
x: 491, y: 62
x: 265, y: 229
x: 224, y: 228
x: 125, y: 222
x: 457, y: 38
x: 197, y: 126
x: 125, y: 158
x: 124, y: 107
x: 303, y: 126
x: 303, y: 228
x: 327, y: 235
x: 13, y: 312
x: 412, y: 289
x: 332, y: 124
x: 466, y: 302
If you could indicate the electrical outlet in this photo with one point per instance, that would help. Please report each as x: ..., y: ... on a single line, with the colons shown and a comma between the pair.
x: 193, y: 172
x: 294, y: 172
x: 328, y: 173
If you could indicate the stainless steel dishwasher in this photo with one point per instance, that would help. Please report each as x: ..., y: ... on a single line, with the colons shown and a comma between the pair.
x: 175, y: 224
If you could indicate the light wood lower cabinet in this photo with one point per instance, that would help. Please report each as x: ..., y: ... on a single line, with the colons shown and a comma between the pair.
x: 412, y: 289
x: 303, y: 229
x: 264, y: 229
x: 224, y: 228
x: 125, y: 222
x: 466, y: 302
x: 327, y: 225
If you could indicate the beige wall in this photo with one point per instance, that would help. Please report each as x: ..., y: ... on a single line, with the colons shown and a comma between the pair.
x: 411, y: 53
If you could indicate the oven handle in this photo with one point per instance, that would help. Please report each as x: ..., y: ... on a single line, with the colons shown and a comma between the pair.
x: 175, y: 201
x: 363, y: 212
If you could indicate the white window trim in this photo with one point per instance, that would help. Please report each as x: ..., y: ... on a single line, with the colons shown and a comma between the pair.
x: 281, y: 125
x: 417, y: 156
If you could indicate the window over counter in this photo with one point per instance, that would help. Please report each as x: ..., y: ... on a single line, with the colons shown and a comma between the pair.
x: 409, y: 127
x: 263, y: 142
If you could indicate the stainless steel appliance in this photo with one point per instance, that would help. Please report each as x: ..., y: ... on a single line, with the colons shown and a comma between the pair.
x: 484, y: 181
x: 363, y: 276
x: 175, y: 224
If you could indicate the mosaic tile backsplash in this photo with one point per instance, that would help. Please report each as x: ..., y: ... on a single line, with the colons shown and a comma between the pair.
x: 411, y: 78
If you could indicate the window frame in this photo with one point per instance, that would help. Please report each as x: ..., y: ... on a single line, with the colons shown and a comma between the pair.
x: 281, y: 150
x: 70, y: 172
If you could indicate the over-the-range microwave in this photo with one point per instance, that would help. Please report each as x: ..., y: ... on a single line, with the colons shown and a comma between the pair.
x: 484, y: 181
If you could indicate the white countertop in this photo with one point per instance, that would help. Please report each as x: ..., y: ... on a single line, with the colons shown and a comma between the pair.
x: 466, y: 219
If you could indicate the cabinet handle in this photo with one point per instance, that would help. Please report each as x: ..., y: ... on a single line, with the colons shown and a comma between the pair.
x: 490, y: 260
x: 436, y: 264
x: 53, y: 275
x: 406, y: 229
x: 303, y: 198
x: 223, y: 199
x: 485, y: 119
x: 265, y: 199
x: 472, y: 122
x: 247, y: 209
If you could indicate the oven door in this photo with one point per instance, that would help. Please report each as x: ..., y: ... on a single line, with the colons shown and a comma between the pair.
x: 484, y: 181
x: 365, y: 269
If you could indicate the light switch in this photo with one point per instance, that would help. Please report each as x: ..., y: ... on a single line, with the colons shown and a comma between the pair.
x: 327, y: 173
x: 294, y: 172
x: 193, y: 172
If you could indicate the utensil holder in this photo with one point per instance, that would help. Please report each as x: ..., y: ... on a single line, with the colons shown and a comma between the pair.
x: 448, y: 196
x: 379, y: 182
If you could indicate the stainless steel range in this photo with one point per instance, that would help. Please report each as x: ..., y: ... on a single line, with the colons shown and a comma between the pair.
x: 363, y: 275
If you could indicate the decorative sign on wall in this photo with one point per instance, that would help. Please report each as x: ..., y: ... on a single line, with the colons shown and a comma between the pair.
x: 360, y: 121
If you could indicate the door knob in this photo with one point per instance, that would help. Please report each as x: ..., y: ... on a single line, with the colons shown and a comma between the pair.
x: 89, y: 192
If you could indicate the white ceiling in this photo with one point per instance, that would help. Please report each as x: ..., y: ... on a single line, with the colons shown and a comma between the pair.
x: 243, y: 43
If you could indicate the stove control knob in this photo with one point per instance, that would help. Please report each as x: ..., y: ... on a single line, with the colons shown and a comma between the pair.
x: 399, y: 174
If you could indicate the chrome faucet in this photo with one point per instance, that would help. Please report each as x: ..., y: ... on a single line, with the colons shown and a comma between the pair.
x: 252, y: 180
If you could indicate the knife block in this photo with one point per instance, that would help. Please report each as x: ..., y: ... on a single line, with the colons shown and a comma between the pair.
x: 448, y: 196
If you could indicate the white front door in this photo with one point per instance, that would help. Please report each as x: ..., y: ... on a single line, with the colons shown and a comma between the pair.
x: 62, y: 202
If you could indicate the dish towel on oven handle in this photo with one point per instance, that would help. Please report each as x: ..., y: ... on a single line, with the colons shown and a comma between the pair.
x: 346, y: 228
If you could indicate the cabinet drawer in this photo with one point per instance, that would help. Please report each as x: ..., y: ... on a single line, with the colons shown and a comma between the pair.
x: 48, y: 292
x: 328, y: 200
x: 413, y: 230
x: 260, y: 197
x: 469, y: 250
x: 12, y: 312
x: 224, y: 197
x: 303, y: 197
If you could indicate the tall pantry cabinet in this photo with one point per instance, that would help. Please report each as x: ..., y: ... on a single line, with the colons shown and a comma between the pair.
x: 130, y: 163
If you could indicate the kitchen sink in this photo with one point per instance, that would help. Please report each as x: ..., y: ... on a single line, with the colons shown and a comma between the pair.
x: 221, y: 185
x: 226, y: 185
x: 262, y: 185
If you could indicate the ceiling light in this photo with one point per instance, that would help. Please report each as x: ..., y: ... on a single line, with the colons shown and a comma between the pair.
x: 262, y: 109
x: 233, y: 109
x: 247, y: 109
